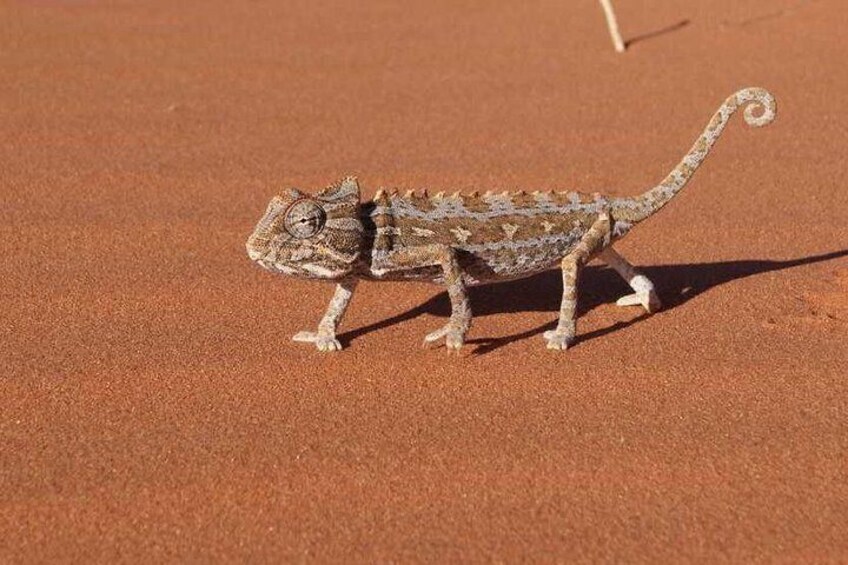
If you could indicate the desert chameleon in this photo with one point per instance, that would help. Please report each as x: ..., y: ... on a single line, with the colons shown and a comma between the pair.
x: 460, y: 240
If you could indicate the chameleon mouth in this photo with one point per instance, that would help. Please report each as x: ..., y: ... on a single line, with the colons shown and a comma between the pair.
x: 277, y: 268
x: 268, y: 260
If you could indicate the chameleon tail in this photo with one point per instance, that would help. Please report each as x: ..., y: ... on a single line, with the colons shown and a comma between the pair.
x: 753, y: 99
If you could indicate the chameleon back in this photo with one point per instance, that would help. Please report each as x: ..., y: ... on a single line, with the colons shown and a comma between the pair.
x: 497, y: 236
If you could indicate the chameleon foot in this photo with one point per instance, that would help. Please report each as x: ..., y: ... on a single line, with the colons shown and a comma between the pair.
x: 558, y: 340
x: 648, y: 299
x: 454, y: 338
x: 323, y: 342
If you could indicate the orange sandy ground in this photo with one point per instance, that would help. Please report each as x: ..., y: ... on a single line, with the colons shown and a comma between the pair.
x: 152, y: 406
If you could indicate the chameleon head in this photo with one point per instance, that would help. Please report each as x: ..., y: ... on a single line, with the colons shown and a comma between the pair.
x: 317, y: 237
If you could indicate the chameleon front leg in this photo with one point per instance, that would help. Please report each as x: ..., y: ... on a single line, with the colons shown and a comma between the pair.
x: 460, y: 320
x: 644, y: 293
x: 593, y: 240
x: 443, y: 256
x: 325, y: 338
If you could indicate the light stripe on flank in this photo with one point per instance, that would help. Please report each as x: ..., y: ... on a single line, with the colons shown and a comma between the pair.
x: 494, y: 246
x: 542, y: 240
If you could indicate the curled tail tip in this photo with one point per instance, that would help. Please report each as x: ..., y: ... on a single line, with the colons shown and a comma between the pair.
x: 760, y: 106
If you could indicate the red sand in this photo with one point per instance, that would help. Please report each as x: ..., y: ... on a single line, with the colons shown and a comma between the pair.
x: 153, y: 408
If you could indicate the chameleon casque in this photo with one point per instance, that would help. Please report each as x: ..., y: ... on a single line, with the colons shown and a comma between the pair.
x: 470, y: 239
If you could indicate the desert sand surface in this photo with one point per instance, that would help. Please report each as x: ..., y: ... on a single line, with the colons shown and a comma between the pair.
x: 154, y: 409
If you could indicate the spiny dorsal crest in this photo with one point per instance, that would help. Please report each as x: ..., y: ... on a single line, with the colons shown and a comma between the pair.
x: 346, y: 190
x: 520, y: 197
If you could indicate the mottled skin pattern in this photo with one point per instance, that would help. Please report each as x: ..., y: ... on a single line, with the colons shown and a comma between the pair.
x: 468, y: 239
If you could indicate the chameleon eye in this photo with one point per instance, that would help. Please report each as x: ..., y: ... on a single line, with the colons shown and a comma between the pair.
x: 305, y: 219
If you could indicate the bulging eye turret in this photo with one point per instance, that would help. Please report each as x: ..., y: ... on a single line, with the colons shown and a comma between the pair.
x: 305, y: 219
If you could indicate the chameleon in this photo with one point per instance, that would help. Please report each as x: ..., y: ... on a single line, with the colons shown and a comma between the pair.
x: 462, y: 240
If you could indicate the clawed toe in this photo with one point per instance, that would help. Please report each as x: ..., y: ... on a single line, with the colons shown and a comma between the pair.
x: 647, y: 299
x: 558, y: 340
x: 328, y: 344
x: 305, y: 337
x: 323, y: 342
x: 435, y: 336
x: 454, y: 339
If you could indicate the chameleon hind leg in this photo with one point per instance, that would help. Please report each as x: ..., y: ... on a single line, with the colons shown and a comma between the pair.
x: 593, y: 240
x: 644, y: 293
x: 325, y: 338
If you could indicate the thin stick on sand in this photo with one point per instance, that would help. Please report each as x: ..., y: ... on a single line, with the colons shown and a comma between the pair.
x: 612, y: 23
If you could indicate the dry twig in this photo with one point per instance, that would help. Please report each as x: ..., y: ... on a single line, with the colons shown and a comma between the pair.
x: 612, y: 23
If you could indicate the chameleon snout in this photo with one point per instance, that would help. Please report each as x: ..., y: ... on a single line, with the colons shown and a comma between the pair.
x: 253, y: 254
x: 256, y: 247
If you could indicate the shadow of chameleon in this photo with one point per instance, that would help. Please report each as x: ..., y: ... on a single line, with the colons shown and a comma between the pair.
x: 676, y: 285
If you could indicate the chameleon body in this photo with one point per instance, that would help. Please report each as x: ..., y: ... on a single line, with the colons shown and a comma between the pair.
x: 461, y: 240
